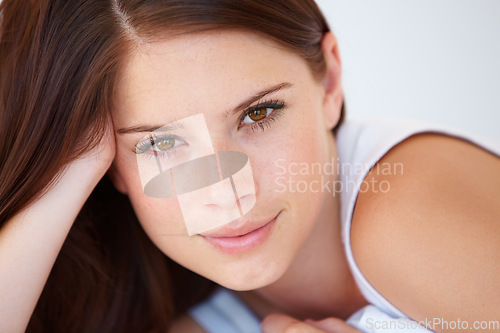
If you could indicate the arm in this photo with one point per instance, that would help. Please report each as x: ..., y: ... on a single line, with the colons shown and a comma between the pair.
x: 31, y: 240
x: 431, y: 244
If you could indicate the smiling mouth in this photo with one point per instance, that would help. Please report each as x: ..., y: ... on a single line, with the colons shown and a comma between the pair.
x: 241, y: 237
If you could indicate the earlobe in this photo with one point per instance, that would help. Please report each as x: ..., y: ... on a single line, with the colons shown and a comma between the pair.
x: 332, y: 81
x: 117, y: 179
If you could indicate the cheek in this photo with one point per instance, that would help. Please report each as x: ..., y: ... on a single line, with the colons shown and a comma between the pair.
x: 163, y: 222
x: 157, y: 216
x: 288, y: 156
x: 283, y: 167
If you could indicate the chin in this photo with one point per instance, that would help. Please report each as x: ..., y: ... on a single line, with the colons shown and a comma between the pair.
x: 251, y: 277
x: 245, y: 285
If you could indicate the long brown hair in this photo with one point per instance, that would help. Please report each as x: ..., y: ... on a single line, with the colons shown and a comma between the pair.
x: 59, y: 61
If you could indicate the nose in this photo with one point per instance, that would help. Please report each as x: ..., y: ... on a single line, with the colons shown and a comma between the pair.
x: 221, y: 140
x: 235, y: 185
x: 222, y: 195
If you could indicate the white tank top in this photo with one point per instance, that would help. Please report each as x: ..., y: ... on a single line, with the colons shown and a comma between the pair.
x: 361, y: 144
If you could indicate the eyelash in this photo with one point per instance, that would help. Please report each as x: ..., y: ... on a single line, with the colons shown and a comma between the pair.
x: 277, y: 107
x: 144, y: 147
x: 277, y: 110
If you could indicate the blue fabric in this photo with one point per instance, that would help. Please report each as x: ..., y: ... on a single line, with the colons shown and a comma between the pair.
x: 223, y: 312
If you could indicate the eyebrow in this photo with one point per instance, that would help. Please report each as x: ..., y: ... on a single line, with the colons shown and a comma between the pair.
x: 245, y: 104
x: 149, y: 128
x: 145, y: 128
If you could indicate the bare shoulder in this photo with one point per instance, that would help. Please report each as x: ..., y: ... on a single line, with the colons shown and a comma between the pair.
x: 431, y: 243
x: 185, y: 324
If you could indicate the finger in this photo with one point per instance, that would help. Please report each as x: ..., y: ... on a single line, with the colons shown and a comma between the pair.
x: 279, y: 323
x: 333, y: 325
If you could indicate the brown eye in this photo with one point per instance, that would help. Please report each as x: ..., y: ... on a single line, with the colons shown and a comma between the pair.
x: 165, y: 144
x: 257, y: 115
x: 261, y: 114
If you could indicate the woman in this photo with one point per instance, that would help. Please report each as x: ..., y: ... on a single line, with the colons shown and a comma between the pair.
x: 91, y: 86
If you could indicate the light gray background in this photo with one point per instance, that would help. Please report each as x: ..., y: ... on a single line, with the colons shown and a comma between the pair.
x: 434, y: 60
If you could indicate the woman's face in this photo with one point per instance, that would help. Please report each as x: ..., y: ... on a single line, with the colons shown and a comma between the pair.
x: 214, y: 74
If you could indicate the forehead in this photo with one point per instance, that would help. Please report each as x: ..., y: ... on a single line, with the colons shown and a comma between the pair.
x: 193, y: 73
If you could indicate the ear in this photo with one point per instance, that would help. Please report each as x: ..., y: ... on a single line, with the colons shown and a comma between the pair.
x: 332, y: 82
x: 116, y: 179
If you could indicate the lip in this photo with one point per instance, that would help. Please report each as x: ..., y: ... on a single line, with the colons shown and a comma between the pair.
x: 241, y: 239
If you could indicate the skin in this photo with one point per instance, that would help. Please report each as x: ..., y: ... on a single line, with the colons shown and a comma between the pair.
x: 214, y: 72
x: 436, y: 232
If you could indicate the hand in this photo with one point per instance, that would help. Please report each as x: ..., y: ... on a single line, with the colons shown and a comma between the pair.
x: 279, y: 323
x: 98, y: 160
x: 77, y: 180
